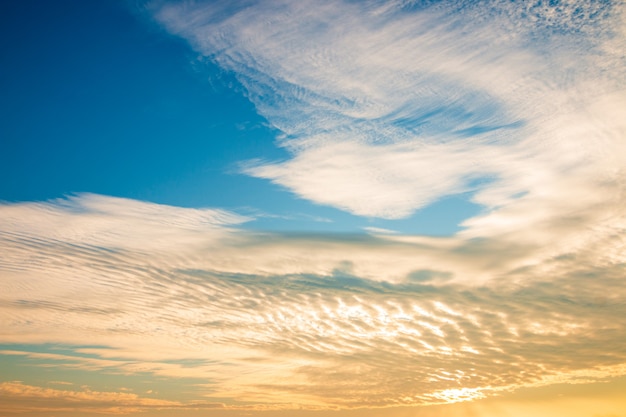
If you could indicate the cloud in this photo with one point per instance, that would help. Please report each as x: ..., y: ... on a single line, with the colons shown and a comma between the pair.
x: 283, y: 321
x: 386, y: 107
x: 94, y: 219
x: 15, y: 395
x: 59, y: 382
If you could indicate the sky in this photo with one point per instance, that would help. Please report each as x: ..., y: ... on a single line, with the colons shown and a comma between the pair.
x: 328, y: 208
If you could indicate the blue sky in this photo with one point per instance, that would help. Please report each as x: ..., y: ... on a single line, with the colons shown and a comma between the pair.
x: 119, y: 112
x: 137, y: 113
x: 329, y: 207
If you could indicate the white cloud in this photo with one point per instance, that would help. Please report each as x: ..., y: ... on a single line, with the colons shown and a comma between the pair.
x: 370, y: 181
x: 313, y: 321
x: 386, y: 110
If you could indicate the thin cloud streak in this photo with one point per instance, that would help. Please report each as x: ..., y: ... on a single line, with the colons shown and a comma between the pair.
x: 115, y: 402
x: 18, y: 398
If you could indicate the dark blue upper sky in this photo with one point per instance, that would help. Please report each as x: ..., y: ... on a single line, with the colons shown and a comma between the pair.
x: 94, y: 99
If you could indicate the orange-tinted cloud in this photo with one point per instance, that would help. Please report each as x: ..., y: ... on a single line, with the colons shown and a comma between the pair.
x: 17, y: 396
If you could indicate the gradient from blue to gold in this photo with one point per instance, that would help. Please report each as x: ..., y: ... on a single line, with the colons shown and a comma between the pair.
x: 283, y: 208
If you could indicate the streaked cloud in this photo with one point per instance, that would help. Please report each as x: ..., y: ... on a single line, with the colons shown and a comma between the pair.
x: 388, y: 106
x: 15, y: 395
x: 283, y: 321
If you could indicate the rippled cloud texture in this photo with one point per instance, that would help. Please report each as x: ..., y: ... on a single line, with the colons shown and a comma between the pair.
x: 276, y: 321
x: 384, y: 108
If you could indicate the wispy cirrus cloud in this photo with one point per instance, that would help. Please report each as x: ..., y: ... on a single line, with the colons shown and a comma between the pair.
x: 388, y: 106
x: 276, y: 321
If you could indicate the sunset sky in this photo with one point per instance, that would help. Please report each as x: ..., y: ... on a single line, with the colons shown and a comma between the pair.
x: 313, y: 208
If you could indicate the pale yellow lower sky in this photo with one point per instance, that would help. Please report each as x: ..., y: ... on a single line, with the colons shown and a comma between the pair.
x: 582, y: 400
